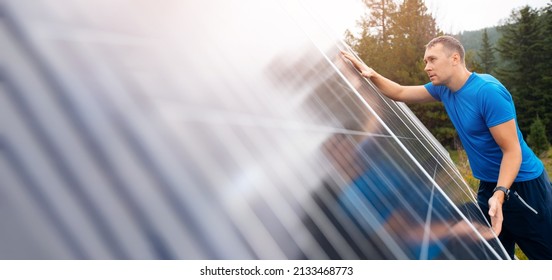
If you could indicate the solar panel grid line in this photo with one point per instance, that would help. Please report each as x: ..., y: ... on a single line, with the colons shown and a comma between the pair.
x: 110, y: 176
x: 187, y: 223
x: 69, y: 245
x: 310, y: 208
x: 339, y: 178
x: 170, y: 136
x: 74, y: 184
x: 356, y: 236
x: 366, y: 210
x: 270, y: 192
x: 391, y: 105
x: 37, y: 177
x: 263, y: 141
x: 327, y: 204
x: 252, y: 121
x: 405, y: 200
x: 322, y: 104
x: 418, y: 126
x: 406, y: 117
x: 170, y: 166
x: 425, y: 240
x: 152, y: 188
x: 455, y: 175
x: 356, y: 117
x: 371, y: 110
x: 139, y: 148
x: 240, y: 212
x: 437, y: 148
x: 15, y: 190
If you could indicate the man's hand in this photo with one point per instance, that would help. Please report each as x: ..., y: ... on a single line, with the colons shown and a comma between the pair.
x: 364, y: 70
x: 495, y: 211
x: 407, y: 94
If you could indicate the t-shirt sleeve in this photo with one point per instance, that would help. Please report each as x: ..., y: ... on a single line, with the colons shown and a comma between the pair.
x: 496, y: 104
x: 434, y: 91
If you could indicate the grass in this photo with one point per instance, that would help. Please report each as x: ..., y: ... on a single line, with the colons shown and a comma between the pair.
x: 460, y: 159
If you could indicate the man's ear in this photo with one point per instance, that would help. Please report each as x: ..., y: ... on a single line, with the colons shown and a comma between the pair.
x: 456, y: 58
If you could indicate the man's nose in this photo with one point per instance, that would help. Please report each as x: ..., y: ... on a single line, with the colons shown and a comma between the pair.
x: 427, y: 67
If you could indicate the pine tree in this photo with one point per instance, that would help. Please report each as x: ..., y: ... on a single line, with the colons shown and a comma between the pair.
x: 373, y: 44
x: 393, y: 42
x: 380, y: 12
x: 486, y: 54
x: 413, y: 27
x: 472, y: 63
x: 522, y: 49
x: 537, y: 139
x: 546, y: 69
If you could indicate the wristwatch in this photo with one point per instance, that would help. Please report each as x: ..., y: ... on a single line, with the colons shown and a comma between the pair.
x: 503, y: 189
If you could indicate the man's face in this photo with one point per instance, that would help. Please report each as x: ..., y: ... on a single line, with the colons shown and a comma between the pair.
x: 438, y: 64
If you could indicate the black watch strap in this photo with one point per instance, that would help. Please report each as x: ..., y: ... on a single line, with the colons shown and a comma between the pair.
x: 503, y: 189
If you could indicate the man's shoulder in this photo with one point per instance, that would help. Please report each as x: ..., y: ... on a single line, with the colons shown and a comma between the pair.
x: 488, y: 89
x: 487, y: 78
x: 487, y: 82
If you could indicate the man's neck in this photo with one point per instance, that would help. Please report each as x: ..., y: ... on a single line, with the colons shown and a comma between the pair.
x: 460, y: 80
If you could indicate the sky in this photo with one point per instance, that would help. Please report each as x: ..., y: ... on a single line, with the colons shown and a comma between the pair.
x: 466, y: 15
x: 452, y: 16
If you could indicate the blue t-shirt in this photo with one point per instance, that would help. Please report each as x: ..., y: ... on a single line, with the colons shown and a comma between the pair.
x: 483, y: 102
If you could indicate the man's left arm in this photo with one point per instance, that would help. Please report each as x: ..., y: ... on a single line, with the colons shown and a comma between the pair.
x: 506, y: 137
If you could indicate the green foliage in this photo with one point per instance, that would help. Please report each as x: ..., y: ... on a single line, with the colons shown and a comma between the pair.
x: 460, y: 159
x: 392, y: 41
x: 472, y: 40
x: 486, y: 54
x: 545, y: 69
x: 472, y: 63
x: 537, y: 139
x: 413, y: 27
x: 519, y: 254
x: 521, y: 47
x: 473, y: 43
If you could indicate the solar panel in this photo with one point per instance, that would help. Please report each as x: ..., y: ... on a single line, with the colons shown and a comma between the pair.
x: 212, y: 130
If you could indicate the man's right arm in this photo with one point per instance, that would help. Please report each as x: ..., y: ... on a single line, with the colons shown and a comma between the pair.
x: 407, y: 94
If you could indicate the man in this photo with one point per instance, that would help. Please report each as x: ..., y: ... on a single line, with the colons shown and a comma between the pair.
x: 514, y: 188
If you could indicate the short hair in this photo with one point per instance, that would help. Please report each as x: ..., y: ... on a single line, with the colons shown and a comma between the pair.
x: 449, y: 43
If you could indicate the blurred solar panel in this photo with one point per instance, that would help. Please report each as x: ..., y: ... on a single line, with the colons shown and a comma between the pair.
x: 212, y: 130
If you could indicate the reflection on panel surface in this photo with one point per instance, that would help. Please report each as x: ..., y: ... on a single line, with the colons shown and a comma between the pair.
x: 148, y: 130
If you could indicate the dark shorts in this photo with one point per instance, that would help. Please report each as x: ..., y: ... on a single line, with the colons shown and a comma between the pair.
x: 527, y: 216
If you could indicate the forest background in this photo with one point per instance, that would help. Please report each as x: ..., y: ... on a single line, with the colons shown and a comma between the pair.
x: 392, y: 40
